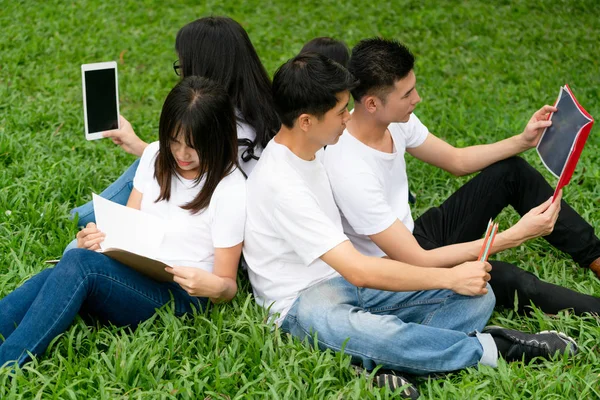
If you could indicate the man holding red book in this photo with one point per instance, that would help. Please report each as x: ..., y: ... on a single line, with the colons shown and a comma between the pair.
x: 367, y: 172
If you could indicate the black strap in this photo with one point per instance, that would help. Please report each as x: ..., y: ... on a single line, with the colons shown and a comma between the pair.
x: 247, y: 154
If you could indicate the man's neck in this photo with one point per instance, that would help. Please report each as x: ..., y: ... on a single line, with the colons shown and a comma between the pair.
x: 296, y: 141
x: 364, y: 127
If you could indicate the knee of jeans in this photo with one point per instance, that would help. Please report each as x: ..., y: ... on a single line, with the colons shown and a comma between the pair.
x: 314, y: 303
x: 70, y: 246
x: 74, y: 265
x: 308, y: 304
x: 488, y: 300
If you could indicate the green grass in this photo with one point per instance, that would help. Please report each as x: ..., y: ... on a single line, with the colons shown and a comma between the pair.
x: 483, y: 67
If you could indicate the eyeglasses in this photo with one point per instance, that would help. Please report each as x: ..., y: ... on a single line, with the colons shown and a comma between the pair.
x: 176, y: 67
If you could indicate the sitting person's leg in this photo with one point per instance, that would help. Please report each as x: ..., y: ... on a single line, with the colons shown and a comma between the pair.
x: 464, y: 216
x: 102, y: 286
x: 414, y: 332
x: 71, y: 246
x: 15, y: 305
x: 516, y: 183
x: 511, y: 283
x: 118, y: 192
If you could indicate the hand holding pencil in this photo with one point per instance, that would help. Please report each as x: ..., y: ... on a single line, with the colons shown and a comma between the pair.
x: 488, y: 241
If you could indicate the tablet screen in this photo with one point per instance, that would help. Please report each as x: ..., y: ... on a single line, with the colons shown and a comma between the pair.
x: 101, y: 100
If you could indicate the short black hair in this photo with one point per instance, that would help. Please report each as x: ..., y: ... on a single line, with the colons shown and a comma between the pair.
x: 379, y: 63
x: 308, y: 83
x: 329, y: 47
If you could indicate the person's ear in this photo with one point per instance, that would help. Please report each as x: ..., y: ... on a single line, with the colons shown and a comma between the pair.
x: 370, y: 103
x: 304, y: 122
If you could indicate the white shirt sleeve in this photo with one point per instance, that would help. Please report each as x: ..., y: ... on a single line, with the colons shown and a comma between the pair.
x: 145, y: 170
x: 362, y: 201
x: 416, y: 132
x: 228, y: 214
x: 298, y: 218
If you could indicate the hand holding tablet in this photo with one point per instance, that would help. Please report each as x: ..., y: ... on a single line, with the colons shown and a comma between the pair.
x: 100, y: 98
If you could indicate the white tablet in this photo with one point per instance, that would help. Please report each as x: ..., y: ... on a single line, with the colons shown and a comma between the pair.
x: 100, y: 98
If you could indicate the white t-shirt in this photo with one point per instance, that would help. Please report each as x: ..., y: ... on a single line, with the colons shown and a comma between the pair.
x: 371, y: 187
x: 191, y: 239
x: 245, y: 131
x: 291, y: 221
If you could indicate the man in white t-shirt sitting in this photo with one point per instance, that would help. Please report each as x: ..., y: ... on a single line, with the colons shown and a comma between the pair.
x: 303, y: 267
x: 368, y: 177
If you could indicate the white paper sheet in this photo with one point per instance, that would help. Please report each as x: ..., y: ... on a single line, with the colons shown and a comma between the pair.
x: 127, y: 228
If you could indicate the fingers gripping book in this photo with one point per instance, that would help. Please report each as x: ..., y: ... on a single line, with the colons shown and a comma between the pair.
x: 561, y: 143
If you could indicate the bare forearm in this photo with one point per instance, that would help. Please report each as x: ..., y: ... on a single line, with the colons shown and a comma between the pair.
x: 449, y: 256
x: 384, y: 274
x: 138, y: 148
x: 399, y: 244
x: 225, y: 290
x: 475, y: 158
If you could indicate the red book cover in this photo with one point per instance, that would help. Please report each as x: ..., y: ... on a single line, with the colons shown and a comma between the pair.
x: 562, y: 143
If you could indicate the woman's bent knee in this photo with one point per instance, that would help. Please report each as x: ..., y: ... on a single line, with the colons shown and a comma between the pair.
x: 77, y: 262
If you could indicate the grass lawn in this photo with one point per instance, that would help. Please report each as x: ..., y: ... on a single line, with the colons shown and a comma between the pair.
x: 483, y: 67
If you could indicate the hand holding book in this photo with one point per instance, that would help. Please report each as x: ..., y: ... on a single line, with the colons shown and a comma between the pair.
x: 132, y: 237
x: 539, y: 221
x: 90, y: 237
x: 536, y: 126
x: 561, y: 143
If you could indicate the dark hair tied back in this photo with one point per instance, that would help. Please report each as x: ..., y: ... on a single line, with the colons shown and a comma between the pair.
x: 330, y: 48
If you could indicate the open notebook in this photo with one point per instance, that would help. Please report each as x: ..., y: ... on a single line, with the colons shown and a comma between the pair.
x: 132, y: 237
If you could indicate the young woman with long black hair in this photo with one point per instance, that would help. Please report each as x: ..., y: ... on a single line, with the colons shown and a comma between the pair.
x: 217, y: 48
x: 190, y: 178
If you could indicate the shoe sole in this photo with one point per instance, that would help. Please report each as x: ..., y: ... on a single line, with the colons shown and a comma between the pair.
x: 566, y: 338
x: 559, y: 334
x: 410, y: 392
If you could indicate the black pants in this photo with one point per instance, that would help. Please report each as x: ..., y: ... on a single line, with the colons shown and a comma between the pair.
x: 464, y: 216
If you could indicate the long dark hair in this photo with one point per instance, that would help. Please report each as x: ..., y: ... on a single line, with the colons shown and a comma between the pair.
x: 199, y: 112
x: 220, y: 49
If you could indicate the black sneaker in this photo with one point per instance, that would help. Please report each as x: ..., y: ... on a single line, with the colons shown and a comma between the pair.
x: 527, y: 346
x: 392, y: 380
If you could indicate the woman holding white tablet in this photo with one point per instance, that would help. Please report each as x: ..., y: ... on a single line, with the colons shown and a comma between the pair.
x: 217, y: 48
x: 190, y: 177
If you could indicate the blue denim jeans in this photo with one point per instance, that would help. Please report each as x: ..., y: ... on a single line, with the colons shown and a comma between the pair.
x: 415, y: 332
x: 118, y: 192
x: 84, y: 282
